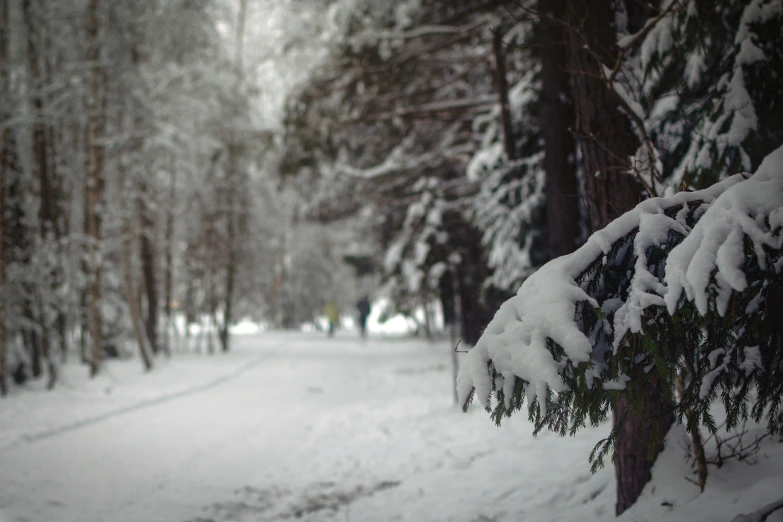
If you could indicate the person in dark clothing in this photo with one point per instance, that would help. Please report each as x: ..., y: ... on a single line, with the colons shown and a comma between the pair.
x: 364, y: 312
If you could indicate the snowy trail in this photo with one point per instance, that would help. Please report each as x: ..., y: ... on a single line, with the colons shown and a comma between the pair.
x: 275, y: 420
x: 295, y: 426
x: 30, y: 438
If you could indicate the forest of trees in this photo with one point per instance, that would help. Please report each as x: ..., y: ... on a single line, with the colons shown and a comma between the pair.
x: 495, y: 136
x: 136, y: 187
x: 466, y: 143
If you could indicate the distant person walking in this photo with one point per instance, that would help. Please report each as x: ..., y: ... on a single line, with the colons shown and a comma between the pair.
x: 364, y: 312
x: 332, y: 315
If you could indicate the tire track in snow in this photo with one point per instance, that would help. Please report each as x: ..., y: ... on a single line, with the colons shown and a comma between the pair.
x: 32, y: 438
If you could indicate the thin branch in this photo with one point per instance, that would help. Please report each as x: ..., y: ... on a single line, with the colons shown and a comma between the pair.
x: 634, y: 40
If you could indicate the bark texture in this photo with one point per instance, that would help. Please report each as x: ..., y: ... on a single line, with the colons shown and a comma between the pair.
x: 607, y: 141
x: 604, y: 133
x: 47, y: 209
x: 94, y: 186
x: 149, y: 268
x: 3, y: 162
x: 169, y: 275
x: 130, y: 295
x: 557, y: 115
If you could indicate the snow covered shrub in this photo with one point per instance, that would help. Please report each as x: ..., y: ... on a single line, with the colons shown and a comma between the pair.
x: 681, y: 287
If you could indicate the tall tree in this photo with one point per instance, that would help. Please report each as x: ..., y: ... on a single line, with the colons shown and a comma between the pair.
x: 94, y: 182
x: 148, y: 252
x: 4, y: 138
x: 557, y: 113
x: 606, y: 140
x: 48, y: 225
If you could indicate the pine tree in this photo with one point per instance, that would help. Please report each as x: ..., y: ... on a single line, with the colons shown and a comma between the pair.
x: 712, y: 106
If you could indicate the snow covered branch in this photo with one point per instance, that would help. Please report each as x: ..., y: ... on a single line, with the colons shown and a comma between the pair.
x: 586, y: 326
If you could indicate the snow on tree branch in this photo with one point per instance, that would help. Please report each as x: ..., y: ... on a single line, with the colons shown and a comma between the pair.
x: 716, y: 249
x: 515, y: 342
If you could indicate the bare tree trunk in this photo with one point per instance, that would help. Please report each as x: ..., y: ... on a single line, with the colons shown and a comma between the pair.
x: 169, y: 276
x: 228, y: 310
x: 33, y: 340
x: 233, y: 186
x: 605, y: 134
x: 62, y: 333
x: 130, y: 295
x: 94, y: 185
x: 51, y: 364
x: 697, y: 444
x: 148, y: 267
x: 455, y: 314
x: 607, y: 141
x: 212, y: 315
x: 46, y: 209
x: 4, y: 143
x: 557, y: 116
x: 427, y: 319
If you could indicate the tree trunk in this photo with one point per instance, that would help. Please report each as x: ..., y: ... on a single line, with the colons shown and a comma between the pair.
x: 232, y: 188
x: 94, y: 185
x: 130, y: 296
x: 46, y: 351
x: 212, y: 317
x: 231, y: 269
x: 557, y: 116
x: 605, y: 135
x: 475, y: 310
x: 455, y: 313
x: 228, y: 310
x: 169, y: 276
x: 501, y: 85
x: 427, y: 319
x: 607, y: 141
x: 4, y: 143
x: 640, y: 442
x: 46, y: 209
x: 148, y: 267
x: 33, y: 340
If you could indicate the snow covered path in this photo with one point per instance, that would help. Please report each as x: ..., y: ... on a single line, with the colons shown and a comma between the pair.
x: 299, y: 425
x: 295, y: 426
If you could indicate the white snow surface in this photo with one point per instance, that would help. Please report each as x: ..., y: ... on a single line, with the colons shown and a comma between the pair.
x: 298, y: 426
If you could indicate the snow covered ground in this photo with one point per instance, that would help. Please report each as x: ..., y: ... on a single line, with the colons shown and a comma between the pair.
x: 298, y: 426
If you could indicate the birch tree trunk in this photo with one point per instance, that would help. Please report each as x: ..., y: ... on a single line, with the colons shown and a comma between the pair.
x: 94, y: 185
